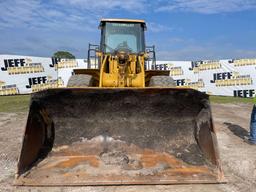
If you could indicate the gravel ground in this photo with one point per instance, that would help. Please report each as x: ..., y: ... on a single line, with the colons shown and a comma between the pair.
x: 231, y: 122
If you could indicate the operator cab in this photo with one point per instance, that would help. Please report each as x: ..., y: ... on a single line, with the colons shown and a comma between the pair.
x: 125, y: 36
x: 122, y: 35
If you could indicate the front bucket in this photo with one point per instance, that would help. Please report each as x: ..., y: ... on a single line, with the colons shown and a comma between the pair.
x: 100, y: 136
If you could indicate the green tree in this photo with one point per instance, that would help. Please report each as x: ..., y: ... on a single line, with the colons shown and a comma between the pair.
x: 63, y: 55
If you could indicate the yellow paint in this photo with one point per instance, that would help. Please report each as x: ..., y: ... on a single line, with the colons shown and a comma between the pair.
x: 129, y: 74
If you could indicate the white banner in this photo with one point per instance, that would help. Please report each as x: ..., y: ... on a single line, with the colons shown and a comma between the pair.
x: 234, y: 77
x: 26, y: 74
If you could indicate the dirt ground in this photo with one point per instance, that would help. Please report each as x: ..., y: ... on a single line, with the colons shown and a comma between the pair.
x: 231, y: 122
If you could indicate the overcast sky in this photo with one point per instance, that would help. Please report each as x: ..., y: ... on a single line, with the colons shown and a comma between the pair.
x: 180, y: 29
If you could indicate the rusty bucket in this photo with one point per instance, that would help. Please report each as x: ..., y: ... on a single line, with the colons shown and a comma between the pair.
x: 110, y: 136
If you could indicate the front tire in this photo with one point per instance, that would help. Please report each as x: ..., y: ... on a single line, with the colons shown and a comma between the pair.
x: 81, y: 80
x: 162, y: 81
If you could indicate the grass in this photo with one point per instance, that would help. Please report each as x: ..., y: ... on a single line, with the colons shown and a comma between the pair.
x: 20, y: 103
x: 14, y: 103
x: 226, y: 99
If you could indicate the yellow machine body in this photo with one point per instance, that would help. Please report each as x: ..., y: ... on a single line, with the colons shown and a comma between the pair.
x: 128, y: 74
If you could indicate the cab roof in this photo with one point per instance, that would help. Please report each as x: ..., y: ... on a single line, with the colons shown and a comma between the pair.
x: 123, y: 20
x: 103, y: 21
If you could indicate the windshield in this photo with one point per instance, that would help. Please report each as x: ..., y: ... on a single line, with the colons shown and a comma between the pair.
x: 128, y: 37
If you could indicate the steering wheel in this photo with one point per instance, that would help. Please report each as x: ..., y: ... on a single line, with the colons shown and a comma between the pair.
x: 123, y: 47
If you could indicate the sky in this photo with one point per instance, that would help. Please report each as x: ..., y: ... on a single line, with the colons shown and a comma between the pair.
x: 180, y: 29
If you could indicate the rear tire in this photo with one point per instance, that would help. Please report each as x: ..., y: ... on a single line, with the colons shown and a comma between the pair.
x: 81, y: 80
x: 162, y: 81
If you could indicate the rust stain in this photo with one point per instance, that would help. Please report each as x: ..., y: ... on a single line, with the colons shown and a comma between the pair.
x: 74, y: 161
x: 151, y: 159
x: 174, y: 166
x: 175, y: 171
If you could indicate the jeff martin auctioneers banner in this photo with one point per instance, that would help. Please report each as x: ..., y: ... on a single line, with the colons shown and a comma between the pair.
x: 232, y: 77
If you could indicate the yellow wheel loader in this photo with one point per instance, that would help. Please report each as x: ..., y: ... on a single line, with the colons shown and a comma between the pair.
x: 119, y: 122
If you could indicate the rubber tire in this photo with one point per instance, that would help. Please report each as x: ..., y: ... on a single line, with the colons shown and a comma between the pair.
x: 81, y: 80
x: 162, y: 81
